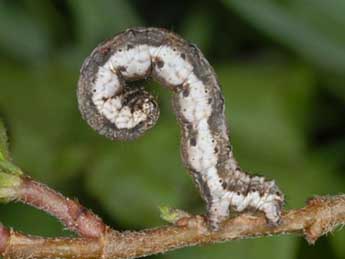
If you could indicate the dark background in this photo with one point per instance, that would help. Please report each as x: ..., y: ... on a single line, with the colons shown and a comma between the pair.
x: 282, y: 69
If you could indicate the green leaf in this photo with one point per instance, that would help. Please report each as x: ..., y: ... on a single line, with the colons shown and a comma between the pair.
x: 8, y: 185
x: 10, y: 168
x: 298, y: 25
x: 172, y: 215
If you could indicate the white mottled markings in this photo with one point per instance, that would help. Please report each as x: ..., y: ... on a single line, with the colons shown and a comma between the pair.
x: 134, y: 62
x: 107, y: 83
x: 197, y: 110
x: 174, y: 69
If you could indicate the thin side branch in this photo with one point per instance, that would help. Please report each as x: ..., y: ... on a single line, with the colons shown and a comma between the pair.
x: 70, y: 212
x: 320, y: 216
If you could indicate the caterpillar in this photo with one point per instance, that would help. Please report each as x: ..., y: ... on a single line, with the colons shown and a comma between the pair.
x: 115, y: 108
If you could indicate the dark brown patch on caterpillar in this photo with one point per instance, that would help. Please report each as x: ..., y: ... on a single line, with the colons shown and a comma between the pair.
x: 185, y: 92
x: 122, y: 69
x: 203, y: 187
x: 159, y: 62
x: 192, y: 142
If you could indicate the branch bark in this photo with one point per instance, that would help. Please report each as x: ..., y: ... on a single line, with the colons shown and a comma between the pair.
x: 70, y: 212
x: 320, y: 216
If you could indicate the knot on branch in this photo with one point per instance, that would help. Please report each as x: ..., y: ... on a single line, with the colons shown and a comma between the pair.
x: 328, y: 215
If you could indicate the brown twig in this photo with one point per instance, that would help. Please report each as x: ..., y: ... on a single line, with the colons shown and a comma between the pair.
x: 73, y: 215
x: 320, y: 216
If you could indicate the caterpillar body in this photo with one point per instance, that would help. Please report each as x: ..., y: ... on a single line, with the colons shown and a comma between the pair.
x: 120, y: 112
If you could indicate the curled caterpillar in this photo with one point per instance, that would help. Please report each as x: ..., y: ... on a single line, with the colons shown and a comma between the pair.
x: 120, y: 112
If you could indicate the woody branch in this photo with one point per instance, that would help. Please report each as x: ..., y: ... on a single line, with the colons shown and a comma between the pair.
x: 320, y: 216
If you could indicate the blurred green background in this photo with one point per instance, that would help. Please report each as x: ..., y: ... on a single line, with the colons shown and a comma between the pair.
x: 282, y: 68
